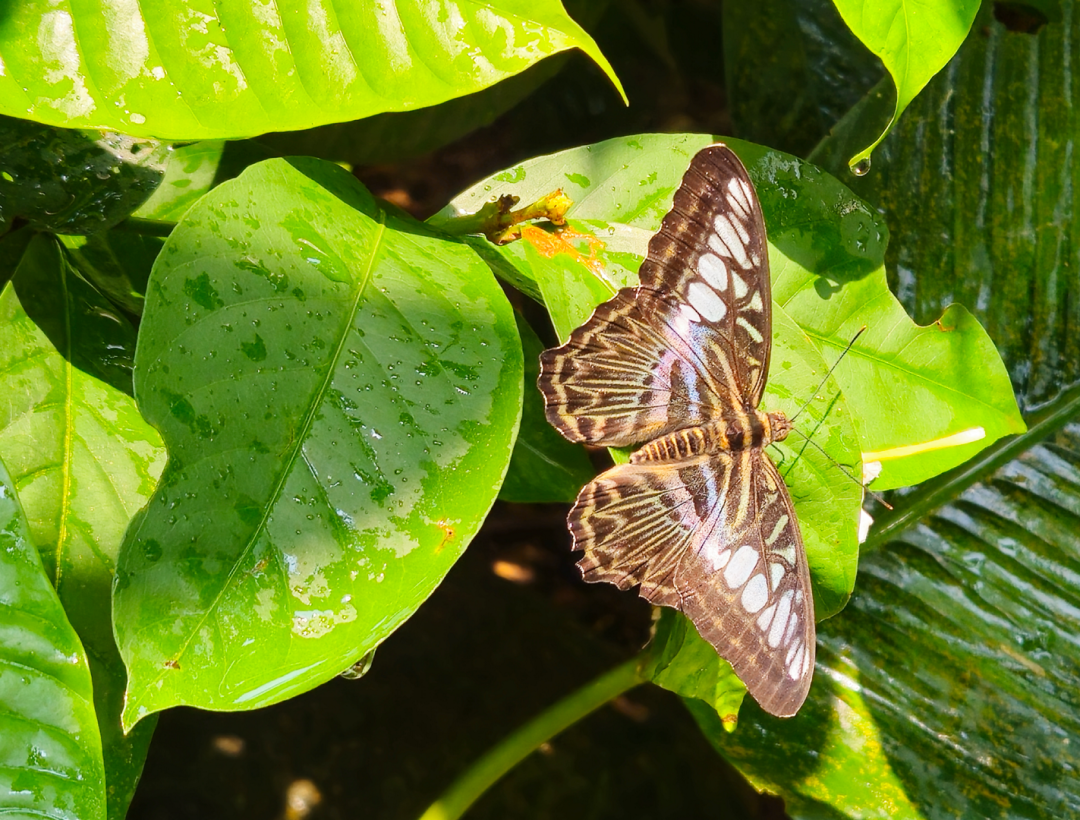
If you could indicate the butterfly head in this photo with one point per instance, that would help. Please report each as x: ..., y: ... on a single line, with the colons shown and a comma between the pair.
x: 779, y: 426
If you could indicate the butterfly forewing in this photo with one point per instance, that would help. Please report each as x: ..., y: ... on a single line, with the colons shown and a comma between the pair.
x: 711, y: 254
x: 704, y: 523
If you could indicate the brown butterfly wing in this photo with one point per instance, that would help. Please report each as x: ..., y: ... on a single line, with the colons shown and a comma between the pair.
x: 692, y: 339
x: 715, y: 537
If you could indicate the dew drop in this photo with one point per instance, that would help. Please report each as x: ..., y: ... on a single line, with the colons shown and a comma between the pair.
x: 860, y: 168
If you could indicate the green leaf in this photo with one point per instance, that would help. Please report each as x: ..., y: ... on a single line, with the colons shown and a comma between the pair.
x: 399, y: 135
x: 914, y: 38
x: 339, y: 389
x: 793, y: 69
x: 978, y: 180
x: 984, y: 722
x: 825, y: 248
x: 194, y: 170
x: 82, y: 460
x: 183, y: 70
x: 544, y: 467
x: 117, y: 263
x: 72, y: 182
x: 50, y: 750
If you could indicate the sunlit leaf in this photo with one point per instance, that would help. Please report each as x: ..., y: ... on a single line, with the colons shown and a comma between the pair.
x: 914, y: 38
x: 185, y: 70
x: 50, y: 749
x: 339, y: 389
x: 82, y: 460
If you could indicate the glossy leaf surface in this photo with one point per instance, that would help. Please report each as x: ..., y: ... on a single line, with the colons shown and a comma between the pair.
x: 980, y: 179
x: 184, y: 70
x: 82, y: 460
x: 984, y: 724
x: 339, y: 389
x: 73, y: 182
x: 826, y: 249
x: 50, y: 749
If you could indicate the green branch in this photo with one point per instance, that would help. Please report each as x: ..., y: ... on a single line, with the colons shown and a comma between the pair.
x: 501, y: 758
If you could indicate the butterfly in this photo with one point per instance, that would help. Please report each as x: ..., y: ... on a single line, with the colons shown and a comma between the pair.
x: 699, y: 518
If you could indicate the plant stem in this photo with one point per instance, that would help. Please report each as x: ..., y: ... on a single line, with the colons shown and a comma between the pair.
x: 506, y: 754
x: 146, y: 227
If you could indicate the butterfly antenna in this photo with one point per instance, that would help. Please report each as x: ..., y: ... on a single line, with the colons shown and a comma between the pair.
x: 831, y: 369
x: 843, y: 469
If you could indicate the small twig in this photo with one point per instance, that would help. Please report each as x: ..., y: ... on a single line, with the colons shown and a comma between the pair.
x: 498, y: 222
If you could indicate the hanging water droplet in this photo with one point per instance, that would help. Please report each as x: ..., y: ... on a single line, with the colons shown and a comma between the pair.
x: 860, y: 168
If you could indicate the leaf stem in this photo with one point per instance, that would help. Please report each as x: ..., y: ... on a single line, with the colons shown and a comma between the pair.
x: 514, y: 748
x: 146, y: 227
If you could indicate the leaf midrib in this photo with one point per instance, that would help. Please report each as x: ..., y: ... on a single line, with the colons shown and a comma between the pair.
x: 295, y: 453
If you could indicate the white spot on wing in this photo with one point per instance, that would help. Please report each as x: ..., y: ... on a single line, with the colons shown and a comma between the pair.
x: 787, y: 553
x: 781, y: 522
x: 740, y: 286
x: 776, y: 574
x: 792, y: 624
x: 689, y: 312
x: 765, y: 618
x: 796, y: 666
x: 714, y: 271
x: 865, y: 520
x: 739, y: 191
x: 751, y: 331
x: 727, y: 232
x: 705, y: 301
x: 779, y: 624
x: 756, y: 594
x: 742, y: 564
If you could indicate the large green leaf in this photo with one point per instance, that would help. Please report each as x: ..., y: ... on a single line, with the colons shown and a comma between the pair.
x: 825, y: 248
x: 914, y: 38
x: 979, y: 184
x: 82, y: 460
x: 50, y: 750
x: 339, y: 389
x: 947, y: 688
x: 186, y: 70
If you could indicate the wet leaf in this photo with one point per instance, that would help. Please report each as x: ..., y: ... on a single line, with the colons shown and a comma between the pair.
x: 82, y: 461
x: 117, y: 263
x: 73, y: 182
x: 49, y: 744
x: 978, y: 184
x: 183, y: 70
x: 339, y: 389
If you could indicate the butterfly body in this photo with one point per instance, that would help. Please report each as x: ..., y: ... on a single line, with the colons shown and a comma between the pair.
x: 750, y: 429
x: 699, y: 518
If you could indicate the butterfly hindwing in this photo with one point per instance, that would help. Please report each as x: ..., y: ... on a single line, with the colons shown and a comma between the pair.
x: 716, y: 538
x: 627, y: 375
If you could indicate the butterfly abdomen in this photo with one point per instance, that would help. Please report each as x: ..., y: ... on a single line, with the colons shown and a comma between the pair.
x: 739, y: 432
